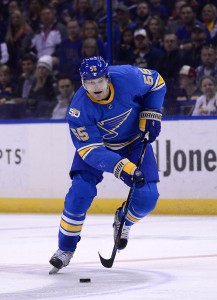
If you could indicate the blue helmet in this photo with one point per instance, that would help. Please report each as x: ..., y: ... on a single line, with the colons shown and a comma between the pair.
x: 93, y: 67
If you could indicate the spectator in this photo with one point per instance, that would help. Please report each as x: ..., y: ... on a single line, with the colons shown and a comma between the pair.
x: 42, y: 97
x: 159, y: 9
x: 82, y: 11
x: 6, y: 85
x: 132, y: 5
x: 70, y: 52
x: 100, y: 16
x: 145, y: 55
x: 18, y: 38
x: 172, y: 60
x: 191, y: 54
x: 125, y: 50
x: 66, y: 92
x: 4, y: 55
x: 209, y: 18
x: 155, y: 30
x: 33, y: 14
x: 8, y: 109
x: 26, y: 80
x: 89, y: 48
x: 47, y: 41
x: 169, y: 67
x: 207, y: 103
x: 62, y: 9
x: 90, y: 30
x: 209, y: 63
x: 123, y: 22
x: 174, y: 21
x: 143, y: 14
x: 3, y: 22
x: 12, y: 7
x: 188, y: 93
x: 189, y: 21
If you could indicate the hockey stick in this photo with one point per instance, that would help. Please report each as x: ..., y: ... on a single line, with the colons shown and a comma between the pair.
x: 108, y: 263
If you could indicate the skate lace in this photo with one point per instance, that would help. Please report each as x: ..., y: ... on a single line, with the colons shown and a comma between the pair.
x: 63, y: 255
x: 125, y: 232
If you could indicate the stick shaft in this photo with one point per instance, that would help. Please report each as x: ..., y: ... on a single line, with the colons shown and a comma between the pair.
x: 107, y: 263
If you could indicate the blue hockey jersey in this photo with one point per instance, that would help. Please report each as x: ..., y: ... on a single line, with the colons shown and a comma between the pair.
x: 100, y: 130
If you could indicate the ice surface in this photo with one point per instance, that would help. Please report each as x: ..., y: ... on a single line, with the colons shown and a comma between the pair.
x: 167, y: 258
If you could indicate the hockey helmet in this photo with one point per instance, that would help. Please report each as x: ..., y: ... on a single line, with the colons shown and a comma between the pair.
x: 93, y: 67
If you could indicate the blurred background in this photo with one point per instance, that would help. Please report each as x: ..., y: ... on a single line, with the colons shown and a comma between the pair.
x: 42, y: 44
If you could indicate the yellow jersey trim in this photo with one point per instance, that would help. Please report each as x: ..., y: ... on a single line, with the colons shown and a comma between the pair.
x: 69, y: 227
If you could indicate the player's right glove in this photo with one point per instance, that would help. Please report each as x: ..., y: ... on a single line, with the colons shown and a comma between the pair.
x: 128, y: 173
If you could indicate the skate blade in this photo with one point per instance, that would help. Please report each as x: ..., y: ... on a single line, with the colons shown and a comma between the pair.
x: 54, y: 271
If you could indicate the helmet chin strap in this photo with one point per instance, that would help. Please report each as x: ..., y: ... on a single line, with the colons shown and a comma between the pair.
x: 82, y: 81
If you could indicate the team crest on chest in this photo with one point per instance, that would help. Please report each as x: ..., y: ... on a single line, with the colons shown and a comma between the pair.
x: 110, y: 125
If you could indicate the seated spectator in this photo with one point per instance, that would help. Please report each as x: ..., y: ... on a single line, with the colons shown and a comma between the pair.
x: 169, y: 67
x: 6, y: 85
x: 189, y: 21
x: 89, y: 48
x: 209, y: 18
x: 42, y: 97
x: 188, y: 94
x: 145, y: 55
x: 159, y: 9
x: 90, y: 30
x: 125, y: 50
x: 172, y: 59
x: 33, y: 14
x: 4, y: 55
x: 206, y: 104
x: 62, y: 9
x: 191, y: 55
x: 3, y: 23
x: 12, y: 7
x: 209, y: 64
x: 26, y: 80
x: 155, y: 30
x: 70, y: 53
x: 123, y: 22
x: 66, y: 92
x: 143, y: 14
x: 82, y: 11
x: 100, y: 16
x: 174, y: 21
x: 18, y: 38
x: 8, y: 110
x: 47, y: 41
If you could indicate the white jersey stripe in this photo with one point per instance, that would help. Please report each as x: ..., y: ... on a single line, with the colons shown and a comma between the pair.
x: 71, y: 221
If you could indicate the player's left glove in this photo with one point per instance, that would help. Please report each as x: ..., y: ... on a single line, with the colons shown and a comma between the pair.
x: 150, y: 121
x: 129, y: 173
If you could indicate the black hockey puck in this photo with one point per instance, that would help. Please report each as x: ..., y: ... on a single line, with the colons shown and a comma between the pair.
x: 85, y: 280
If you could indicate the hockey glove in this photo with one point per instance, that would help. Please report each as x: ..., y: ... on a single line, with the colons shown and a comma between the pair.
x: 150, y: 121
x: 128, y: 173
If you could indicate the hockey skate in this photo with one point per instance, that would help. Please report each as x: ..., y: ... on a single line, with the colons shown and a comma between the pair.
x: 125, y: 231
x: 59, y: 260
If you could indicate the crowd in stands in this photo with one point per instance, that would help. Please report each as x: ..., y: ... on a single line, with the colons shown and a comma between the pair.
x: 42, y: 44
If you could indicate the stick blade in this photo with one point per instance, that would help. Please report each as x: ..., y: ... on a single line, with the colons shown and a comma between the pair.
x: 107, y: 263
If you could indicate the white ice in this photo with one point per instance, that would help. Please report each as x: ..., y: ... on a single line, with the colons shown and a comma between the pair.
x: 167, y: 258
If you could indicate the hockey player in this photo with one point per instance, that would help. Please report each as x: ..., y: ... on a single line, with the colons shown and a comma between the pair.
x: 108, y: 118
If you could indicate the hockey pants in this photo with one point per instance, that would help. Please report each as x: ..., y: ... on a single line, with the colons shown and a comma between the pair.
x: 79, y: 198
